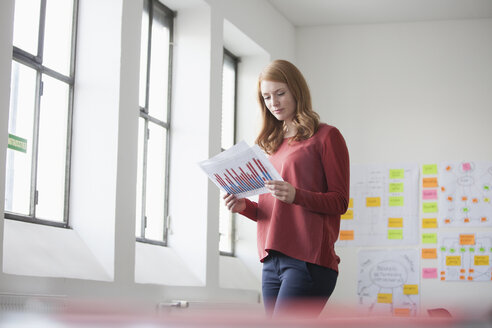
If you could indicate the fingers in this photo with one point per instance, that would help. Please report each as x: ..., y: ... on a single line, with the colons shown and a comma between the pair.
x: 281, y: 190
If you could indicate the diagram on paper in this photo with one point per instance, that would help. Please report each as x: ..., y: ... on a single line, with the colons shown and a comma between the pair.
x: 388, y: 282
x: 465, y: 256
x: 465, y: 197
x: 383, y: 208
x: 241, y: 170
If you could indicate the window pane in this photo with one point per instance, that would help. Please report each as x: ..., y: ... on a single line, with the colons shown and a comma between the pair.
x: 21, y: 116
x: 140, y: 159
x: 228, y: 104
x: 158, y: 94
x: 53, y: 121
x: 225, y: 227
x: 26, y: 25
x: 143, y: 56
x: 155, y: 188
x: 58, y: 35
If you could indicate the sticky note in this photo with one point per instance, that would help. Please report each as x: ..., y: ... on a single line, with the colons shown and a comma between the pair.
x: 429, y: 238
x: 429, y: 207
x: 396, y: 187
x: 429, y: 182
x: 453, y: 260
x: 395, y: 222
x: 397, y: 174
x: 349, y: 215
x: 481, y: 260
x: 467, y: 239
x: 428, y: 223
x: 401, y: 312
x: 466, y: 166
x: 429, y: 273
x: 410, y: 289
x: 395, y: 201
x: 385, y: 298
x: 395, y: 234
x: 373, y: 201
x: 428, y: 169
x: 429, y: 253
x: 429, y: 194
x: 346, y: 234
x: 351, y: 203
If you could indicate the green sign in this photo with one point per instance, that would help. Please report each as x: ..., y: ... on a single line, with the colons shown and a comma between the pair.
x: 17, y: 143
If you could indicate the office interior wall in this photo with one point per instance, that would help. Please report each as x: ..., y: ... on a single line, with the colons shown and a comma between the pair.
x: 118, y: 259
x: 411, y: 92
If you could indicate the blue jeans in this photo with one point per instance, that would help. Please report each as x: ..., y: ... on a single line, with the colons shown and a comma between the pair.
x: 295, y: 287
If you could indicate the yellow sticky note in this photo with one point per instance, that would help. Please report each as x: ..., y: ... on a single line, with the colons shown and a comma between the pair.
x: 346, y: 234
x: 481, y: 260
x: 428, y: 169
x: 410, y: 289
x: 395, y: 222
x: 385, y: 298
x: 429, y: 238
x: 429, y: 223
x: 394, y: 234
x: 453, y: 260
x: 373, y: 201
x: 349, y: 215
x: 351, y: 203
x: 396, y: 187
x: 429, y: 207
x: 395, y: 201
x: 397, y: 174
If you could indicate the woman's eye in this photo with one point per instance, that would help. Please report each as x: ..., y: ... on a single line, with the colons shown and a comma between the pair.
x: 280, y: 93
x: 266, y: 98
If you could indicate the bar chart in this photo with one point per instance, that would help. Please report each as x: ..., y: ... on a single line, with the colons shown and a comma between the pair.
x: 241, y: 170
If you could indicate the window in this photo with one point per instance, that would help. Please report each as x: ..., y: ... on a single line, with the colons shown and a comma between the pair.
x: 154, y: 123
x: 42, y: 82
x: 228, y: 131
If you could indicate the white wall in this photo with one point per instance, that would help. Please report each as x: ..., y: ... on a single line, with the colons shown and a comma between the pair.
x: 104, y: 180
x: 411, y: 92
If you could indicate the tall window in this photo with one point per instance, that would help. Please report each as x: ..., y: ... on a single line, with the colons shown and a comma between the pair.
x: 42, y: 81
x: 229, y: 85
x: 154, y: 123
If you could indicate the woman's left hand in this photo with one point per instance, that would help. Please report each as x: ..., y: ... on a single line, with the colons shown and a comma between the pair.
x: 281, y: 190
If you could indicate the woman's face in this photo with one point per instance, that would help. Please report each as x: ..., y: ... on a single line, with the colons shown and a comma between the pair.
x: 279, y: 100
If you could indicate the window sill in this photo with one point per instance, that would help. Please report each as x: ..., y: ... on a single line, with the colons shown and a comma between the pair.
x: 44, y: 251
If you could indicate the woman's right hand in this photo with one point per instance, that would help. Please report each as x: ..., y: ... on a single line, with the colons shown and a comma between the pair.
x: 234, y: 204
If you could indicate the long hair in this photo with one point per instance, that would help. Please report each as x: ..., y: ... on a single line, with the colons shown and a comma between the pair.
x: 305, y: 119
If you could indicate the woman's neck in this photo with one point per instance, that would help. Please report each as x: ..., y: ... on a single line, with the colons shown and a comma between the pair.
x: 290, y: 130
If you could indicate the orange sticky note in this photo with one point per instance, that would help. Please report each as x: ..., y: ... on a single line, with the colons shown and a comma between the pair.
x: 346, y: 234
x: 401, y: 312
x: 467, y: 239
x: 429, y: 253
x: 429, y: 182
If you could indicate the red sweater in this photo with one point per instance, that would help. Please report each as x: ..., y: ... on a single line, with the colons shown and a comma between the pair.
x: 306, y: 229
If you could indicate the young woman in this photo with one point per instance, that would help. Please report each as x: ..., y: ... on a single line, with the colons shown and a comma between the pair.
x: 298, y: 222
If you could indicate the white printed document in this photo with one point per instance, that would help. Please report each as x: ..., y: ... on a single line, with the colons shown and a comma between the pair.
x: 241, y: 170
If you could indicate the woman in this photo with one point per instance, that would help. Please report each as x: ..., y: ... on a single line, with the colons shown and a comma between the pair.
x: 299, y: 220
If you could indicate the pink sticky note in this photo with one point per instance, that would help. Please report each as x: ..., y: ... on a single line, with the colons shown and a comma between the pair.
x: 466, y: 167
x: 429, y: 194
x: 429, y: 273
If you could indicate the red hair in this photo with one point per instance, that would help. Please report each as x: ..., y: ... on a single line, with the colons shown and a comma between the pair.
x: 305, y: 119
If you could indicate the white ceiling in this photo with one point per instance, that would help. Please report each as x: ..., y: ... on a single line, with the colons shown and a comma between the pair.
x: 326, y: 12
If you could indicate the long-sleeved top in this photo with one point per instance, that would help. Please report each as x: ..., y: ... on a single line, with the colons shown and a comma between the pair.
x: 307, y: 229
